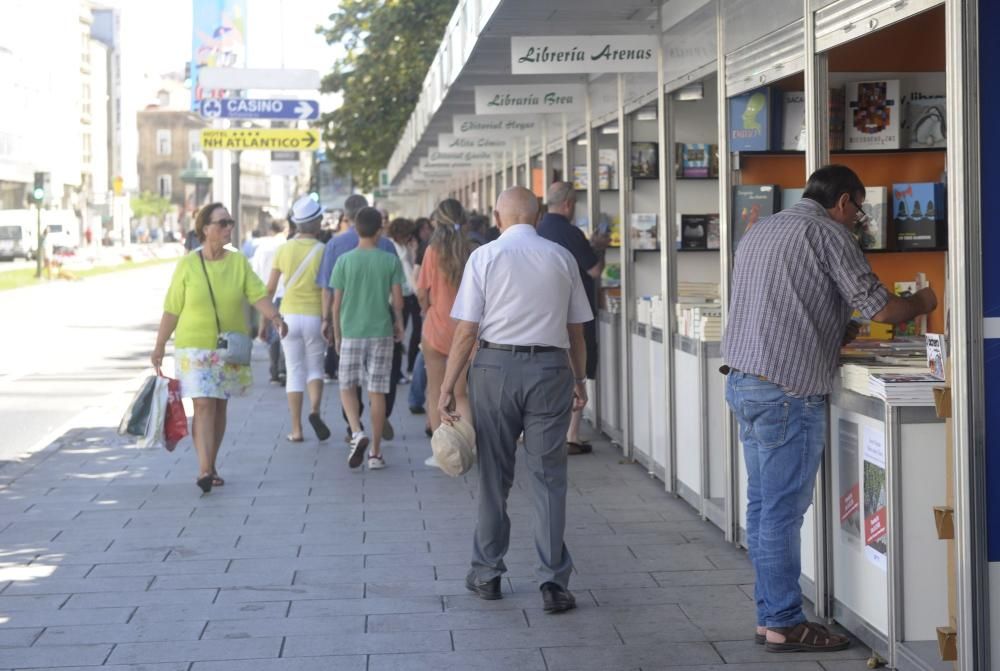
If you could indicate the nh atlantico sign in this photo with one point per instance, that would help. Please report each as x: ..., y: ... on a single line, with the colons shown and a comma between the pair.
x: 271, y: 139
x: 530, y: 98
x: 583, y: 54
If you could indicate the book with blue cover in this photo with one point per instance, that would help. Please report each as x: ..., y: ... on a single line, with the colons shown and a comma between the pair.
x: 755, y: 120
x: 919, y: 215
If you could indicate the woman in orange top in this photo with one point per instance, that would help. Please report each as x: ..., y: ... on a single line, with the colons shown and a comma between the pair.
x: 440, y: 274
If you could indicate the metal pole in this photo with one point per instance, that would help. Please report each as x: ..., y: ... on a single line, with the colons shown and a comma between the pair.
x: 668, y: 265
x: 235, y: 212
x: 627, y: 272
x: 565, y: 148
x: 545, y: 162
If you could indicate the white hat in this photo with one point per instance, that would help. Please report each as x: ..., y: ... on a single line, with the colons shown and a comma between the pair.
x: 305, y: 209
x: 454, y: 447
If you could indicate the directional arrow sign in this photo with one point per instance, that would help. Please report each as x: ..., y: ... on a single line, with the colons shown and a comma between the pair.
x: 258, y: 108
x: 273, y: 139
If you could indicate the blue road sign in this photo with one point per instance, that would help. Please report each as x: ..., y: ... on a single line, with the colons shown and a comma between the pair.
x: 258, y: 108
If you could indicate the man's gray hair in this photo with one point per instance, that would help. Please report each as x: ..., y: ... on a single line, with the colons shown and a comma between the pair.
x: 353, y: 205
x: 559, y: 193
x: 311, y: 227
x: 277, y: 226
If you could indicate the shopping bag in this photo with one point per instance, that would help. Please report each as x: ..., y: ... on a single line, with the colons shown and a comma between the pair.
x: 157, y: 414
x: 175, y: 424
x: 136, y: 417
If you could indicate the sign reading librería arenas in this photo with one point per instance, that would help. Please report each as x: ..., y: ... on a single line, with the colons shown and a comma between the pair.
x: 530, y: 98
x: 583, y: 54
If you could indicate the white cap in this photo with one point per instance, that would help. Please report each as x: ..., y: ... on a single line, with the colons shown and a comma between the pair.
x: 305, y: 209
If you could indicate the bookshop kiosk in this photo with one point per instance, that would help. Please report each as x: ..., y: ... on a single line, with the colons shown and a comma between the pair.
x: 665, y: 164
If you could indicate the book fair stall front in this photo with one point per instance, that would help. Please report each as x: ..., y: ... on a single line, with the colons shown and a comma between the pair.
x: 676, y: 159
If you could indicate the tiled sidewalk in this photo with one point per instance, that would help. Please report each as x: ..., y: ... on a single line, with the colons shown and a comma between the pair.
x: 110, y: 556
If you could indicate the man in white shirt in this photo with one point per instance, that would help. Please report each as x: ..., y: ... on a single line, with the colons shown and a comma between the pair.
x: 262, y: 262
x: 529, y: 373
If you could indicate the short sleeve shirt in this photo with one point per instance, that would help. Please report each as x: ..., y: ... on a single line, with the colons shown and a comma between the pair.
x: 796, y: 277
x: 522, y: 290
x: 439, y: 327
x: 561, y: 231
x: 365, y: 277
x: 303, y: 297
x: 233, y: 282
x: 339, y: 245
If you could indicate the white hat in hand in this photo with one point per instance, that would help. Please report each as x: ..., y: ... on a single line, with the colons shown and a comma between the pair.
x: 454, y: 447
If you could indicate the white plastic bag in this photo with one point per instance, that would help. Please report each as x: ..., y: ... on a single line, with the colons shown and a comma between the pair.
x: 157, y: 415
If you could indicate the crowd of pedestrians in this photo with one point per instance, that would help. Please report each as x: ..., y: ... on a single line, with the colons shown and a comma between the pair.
x: 495, y: 316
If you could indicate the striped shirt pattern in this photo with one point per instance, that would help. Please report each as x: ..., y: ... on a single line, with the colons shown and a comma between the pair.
x: 796, y: 277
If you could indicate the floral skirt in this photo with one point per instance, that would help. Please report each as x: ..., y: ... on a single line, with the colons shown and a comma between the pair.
x: 203, y: 374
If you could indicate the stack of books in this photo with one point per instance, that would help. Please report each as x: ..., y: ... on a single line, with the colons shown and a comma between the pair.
x: 700, y: 321
x: 912, y: 387
x: 697, y: 292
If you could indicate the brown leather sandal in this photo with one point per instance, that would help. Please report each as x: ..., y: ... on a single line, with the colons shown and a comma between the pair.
x: 807, y: 637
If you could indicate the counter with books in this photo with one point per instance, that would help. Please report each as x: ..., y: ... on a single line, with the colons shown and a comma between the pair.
x: 886, y: 461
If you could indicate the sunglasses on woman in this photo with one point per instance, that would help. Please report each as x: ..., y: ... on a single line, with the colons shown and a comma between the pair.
x: 224, y: 222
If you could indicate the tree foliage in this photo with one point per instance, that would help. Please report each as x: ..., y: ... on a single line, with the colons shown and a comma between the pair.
x: 150, y: 205
x: 388, y: 47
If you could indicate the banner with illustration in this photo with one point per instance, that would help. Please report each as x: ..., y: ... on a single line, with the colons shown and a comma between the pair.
x: 219, y: 40
x: 876, y: 497
x: 850, y: 486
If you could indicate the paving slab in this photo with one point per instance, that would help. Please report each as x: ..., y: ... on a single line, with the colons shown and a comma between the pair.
x: 111, y: 558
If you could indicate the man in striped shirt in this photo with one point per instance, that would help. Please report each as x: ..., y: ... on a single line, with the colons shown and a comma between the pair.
x: 797, y: 276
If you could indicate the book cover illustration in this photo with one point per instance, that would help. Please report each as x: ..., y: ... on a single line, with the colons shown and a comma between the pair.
x: 644, y: 231
x: 790, y: 196
x: 713, y: 231
x: 872, y: 234
x: 754, y: 120
x: 695, y: 160
x: 875, y: 497
x: 872, y: 115
x: 751, y: 203
x: 836, y: 109
x: 607, y: 160
x: 924, y: 124
x: 919, y: 215
x: 693, y: 231
x: 645, y: 160
x: 850, y: 485
x: 937, y: 354
x: 581, y: 178
x: 793, y: 136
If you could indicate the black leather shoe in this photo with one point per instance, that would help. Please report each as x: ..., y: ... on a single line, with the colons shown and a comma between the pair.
x: 489, y: 590
x: 557, y: 599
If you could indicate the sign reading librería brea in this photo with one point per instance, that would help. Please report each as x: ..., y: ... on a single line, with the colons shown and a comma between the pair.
x: 471, y: 125
x: 530, y: 98
x: 583, y: 54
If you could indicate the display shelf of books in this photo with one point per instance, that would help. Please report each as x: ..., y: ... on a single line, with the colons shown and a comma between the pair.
x: 895, y: 139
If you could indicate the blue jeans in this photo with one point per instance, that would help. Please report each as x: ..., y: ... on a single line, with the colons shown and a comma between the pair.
x: 783, y: 439
x: 418, y: 383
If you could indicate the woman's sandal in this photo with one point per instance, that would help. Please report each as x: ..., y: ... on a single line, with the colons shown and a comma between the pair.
x: 807, y: 637
x: 205, y: 482
x: 216, y: 480
x: 321, y: 429
x: 292, y: 439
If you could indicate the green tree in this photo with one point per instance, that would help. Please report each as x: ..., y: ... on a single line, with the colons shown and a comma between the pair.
x: 150, y: 205
x: 388, y: 46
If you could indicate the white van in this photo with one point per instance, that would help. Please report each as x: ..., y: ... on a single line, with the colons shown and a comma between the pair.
x: 17, y: 234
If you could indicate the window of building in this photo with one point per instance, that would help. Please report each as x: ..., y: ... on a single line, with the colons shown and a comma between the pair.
x: 87, y: 149
x: 164, y: 183
x: 163, y: 142
x: 85, y: 96
x: 194, y: 141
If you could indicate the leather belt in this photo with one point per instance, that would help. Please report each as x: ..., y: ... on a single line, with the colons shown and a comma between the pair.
x: 526, y: 349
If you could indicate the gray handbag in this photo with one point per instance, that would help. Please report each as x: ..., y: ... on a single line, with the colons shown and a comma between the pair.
x: 234, y: 347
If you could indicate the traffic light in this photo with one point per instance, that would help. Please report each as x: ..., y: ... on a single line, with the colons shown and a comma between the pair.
x: 41, y: 187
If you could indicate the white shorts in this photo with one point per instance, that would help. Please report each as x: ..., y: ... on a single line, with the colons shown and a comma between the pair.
x: 304, y: 349
x: 366, y: 361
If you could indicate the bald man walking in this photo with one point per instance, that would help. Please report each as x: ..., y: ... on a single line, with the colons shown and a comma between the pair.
x: 529, y: 374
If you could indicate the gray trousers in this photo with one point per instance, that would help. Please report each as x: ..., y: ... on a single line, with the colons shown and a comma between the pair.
x: 511, y: 393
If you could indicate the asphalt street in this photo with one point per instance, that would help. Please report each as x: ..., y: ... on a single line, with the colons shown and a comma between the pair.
x: 66, y: 346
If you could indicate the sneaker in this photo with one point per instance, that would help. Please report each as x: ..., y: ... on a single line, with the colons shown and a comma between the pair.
x: 431, y: 461
x: 417, y: 410
x: 359, y: 443
x: 388, y: 433
x: 376, y: 463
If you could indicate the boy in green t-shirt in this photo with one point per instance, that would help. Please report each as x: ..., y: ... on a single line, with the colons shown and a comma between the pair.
x: 364, y: 281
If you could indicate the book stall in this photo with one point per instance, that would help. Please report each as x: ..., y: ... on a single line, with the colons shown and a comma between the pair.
x: 676, y: 166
